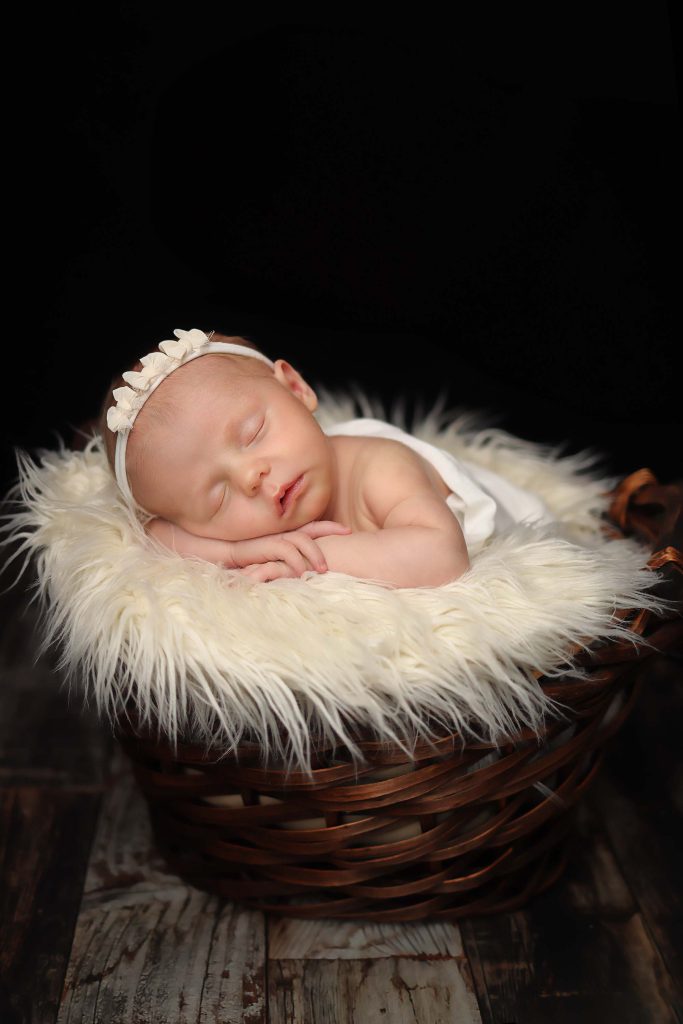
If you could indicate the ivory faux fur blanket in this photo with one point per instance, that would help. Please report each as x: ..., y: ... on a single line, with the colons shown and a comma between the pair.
x: 216, y: 657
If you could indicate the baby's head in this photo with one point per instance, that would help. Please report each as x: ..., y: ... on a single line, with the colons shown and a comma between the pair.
x: 213, y: 446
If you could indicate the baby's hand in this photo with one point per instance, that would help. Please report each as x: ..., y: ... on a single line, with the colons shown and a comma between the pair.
x: 264, y: 572
x: 287, y: 554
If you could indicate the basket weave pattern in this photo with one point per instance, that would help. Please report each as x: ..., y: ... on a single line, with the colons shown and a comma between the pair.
x: 457, y: 830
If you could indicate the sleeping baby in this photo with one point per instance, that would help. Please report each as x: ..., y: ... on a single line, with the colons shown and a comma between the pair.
x: 219, y: 448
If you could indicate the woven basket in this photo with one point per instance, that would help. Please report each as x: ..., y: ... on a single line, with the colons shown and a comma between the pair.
x: 458, y: 830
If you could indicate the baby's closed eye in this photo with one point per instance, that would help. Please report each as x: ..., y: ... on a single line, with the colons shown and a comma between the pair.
x: 258, y: 431
x: 220, y: 504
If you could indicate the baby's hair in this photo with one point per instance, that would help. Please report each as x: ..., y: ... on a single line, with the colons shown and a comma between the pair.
x: 160, y: 409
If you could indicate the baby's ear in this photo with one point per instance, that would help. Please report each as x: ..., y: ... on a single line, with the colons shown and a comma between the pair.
x: 294, y: 382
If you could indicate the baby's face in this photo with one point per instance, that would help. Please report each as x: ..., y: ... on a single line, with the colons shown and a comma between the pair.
x: 233, y: 444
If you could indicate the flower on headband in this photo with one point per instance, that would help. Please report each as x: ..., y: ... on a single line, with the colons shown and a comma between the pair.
x: 121, y: 415
x: 153, y: 365
x: 126, y: 399
x: 118, y: 420
x: 188, y: 341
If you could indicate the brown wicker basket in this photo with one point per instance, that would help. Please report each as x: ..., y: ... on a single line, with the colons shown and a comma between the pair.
x: 456, y: 831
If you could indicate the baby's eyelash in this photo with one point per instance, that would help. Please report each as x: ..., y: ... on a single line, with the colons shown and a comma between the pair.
x: 220, y: 504
x: 258, y: 431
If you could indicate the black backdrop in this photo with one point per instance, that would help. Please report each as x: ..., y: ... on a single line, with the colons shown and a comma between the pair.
x: 485, y: 208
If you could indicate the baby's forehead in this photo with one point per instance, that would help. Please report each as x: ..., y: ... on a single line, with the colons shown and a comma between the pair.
x: 203, y: 393
x: 213, y: 373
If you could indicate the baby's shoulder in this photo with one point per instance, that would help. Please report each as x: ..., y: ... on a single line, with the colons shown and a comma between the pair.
x: 378, y: 470
x: 379, y: 455
x: 362, y: 455
x: 362, y: 462
x: 389, y: 456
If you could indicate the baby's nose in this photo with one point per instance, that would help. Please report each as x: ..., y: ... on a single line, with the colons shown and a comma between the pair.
x: 255, y: 473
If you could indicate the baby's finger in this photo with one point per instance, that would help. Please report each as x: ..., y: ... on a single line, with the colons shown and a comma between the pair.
x: 322, y: 527
x: 289, y: 553
x: 249, y: 570
x: 263, y: 572
x: 310, y: 550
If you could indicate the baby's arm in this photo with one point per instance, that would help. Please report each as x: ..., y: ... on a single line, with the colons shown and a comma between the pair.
x: 419, y: 542
x: 173, y: 537
x: 270, y: 557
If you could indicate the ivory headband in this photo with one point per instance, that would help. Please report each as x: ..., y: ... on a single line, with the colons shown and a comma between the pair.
x: 156, y: 367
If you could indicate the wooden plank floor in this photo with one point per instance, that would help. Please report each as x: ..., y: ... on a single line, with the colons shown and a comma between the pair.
x: 94, y: 929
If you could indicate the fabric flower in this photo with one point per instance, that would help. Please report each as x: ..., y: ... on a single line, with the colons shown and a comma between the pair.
x: 117, y: 419
x: 155, y: 363
x: 126, y: 399
x: 136, y: 380
x: 174, y: 349
x: 196, y: 338
x: 188, y: 342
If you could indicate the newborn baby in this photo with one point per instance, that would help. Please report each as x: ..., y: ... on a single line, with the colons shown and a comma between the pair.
x: 232, y: 466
